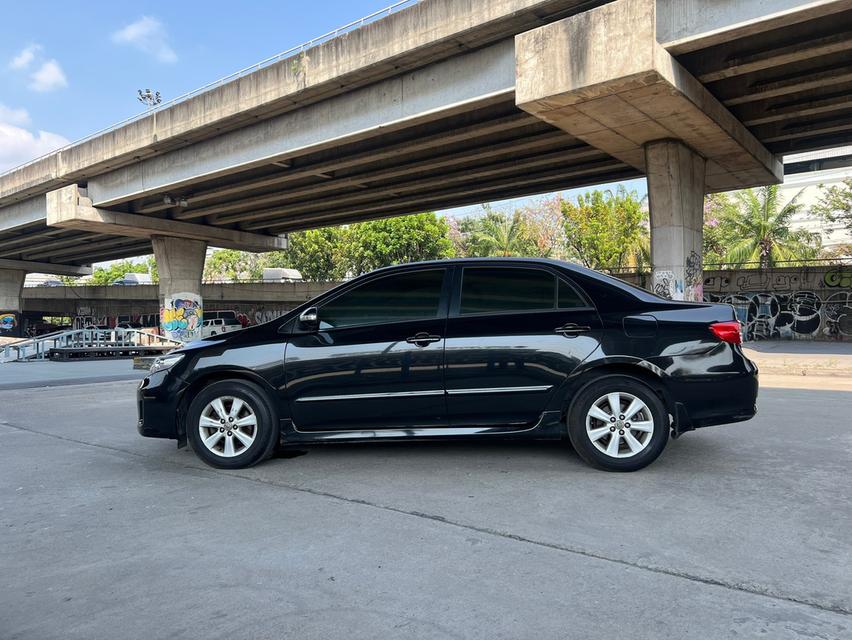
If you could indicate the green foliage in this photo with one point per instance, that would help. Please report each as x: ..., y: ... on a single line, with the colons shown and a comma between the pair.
x: 754, y: 230
x: 835, y: 205
x: 607, y: 230
x: 316, y: 253
x: 333, y: 253
x: 106, y: 275
x: 381, y: 243
x: 229, y: 265
x: 494, y: 234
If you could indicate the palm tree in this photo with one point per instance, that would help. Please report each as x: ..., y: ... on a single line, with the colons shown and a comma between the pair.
x: 498, y: 234
x: 759, y: 228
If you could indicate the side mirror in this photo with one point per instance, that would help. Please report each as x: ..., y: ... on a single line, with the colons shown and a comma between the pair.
x: 309, y: 319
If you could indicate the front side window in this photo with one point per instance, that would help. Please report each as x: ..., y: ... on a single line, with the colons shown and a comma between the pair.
x: 407, y: 296
x: 502, y: 289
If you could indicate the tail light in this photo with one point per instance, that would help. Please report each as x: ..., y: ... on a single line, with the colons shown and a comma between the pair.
x: 728, y: 331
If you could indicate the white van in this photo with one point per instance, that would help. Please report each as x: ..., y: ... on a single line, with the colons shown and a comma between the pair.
x: 216, y: 326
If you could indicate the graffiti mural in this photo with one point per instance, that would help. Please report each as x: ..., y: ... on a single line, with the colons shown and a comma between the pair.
x: 181, y: 317
x: 664, y: 284
x: 799, y: 315
x: 10, y: 324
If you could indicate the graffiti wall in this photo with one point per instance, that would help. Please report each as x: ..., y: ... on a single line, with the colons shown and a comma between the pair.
x: 10, y: 324
x: 181, y: 317
x: 791, y: 303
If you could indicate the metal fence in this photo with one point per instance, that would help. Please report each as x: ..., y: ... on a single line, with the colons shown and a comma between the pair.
x: 292, y: 51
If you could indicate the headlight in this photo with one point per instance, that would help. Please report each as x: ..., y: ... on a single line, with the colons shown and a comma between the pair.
x: 166, y: 362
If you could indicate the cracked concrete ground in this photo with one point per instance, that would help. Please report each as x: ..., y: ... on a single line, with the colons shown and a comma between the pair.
x: 736, y: 531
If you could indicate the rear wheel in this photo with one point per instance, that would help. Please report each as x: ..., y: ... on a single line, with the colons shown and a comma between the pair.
x: 618, y: 423
x: 231, y: 426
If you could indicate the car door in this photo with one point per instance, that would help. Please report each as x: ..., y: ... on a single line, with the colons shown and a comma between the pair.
x: 513, y: 336
x: 377, y: 359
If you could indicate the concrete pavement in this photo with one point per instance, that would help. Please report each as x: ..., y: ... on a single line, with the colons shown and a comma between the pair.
x: 736, y: 531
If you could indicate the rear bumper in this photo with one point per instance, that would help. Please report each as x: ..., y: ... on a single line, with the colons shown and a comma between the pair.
x: 158, y: 406
x: 715, y: 398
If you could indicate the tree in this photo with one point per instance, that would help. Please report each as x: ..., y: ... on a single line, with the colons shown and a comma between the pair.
x: 758, y: 230
x: 116, y: 270
x: 835, y: 205
x: 230, y: 264
x: 381, y: 243
x: 718, y: 207
x: 544, y: 228
x: 316, y: 253
x: 494, y: 234
x: 607, y: 230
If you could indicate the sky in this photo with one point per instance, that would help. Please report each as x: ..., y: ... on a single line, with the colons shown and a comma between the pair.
x: 69, y: 70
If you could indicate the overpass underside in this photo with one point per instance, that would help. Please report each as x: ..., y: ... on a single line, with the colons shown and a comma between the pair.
x: 451, y: 103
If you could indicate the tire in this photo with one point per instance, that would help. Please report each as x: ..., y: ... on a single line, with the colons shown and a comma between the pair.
x: 609, y: 441
x: 247, y: 425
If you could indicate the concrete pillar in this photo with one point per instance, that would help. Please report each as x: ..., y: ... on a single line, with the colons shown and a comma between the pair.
x: 180, y: 263
x: 11, y: 287
x: 676, y: 198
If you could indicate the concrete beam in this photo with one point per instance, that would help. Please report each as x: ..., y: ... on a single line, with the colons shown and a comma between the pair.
x: 22, y: 214
x: 428, y: 31
x: 68, y: 208
x: 46, y: 267
x: 618, y: 99
x: 689, y: 25
x: 435, y: 91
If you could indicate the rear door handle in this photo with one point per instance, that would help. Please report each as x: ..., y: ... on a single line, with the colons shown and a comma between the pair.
x: 570, y: 330
x: 422, y: 339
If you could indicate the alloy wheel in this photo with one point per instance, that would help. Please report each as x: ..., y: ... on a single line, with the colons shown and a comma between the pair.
x: 227, y: 426
x: 620, y: 425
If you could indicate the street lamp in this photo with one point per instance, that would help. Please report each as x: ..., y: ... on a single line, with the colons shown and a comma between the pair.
x: 148, y: 98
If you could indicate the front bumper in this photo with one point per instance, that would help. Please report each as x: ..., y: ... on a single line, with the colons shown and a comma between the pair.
x: 158, y: 401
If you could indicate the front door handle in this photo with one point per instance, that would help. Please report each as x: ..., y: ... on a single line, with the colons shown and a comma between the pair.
x: 422, y: 339
x: 571, y: 329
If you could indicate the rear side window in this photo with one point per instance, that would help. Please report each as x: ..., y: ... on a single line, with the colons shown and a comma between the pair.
x: 408, y: 296
x: 569, y: 297
x: 492, y: 290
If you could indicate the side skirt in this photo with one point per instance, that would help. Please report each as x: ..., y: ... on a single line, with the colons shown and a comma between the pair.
x: 548, y: 427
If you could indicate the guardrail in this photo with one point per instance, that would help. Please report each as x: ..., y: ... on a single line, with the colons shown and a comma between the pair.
x: 376, y: 15
x: 39, y: 348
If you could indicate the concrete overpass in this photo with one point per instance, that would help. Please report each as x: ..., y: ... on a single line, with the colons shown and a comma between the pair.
x: 446, y: 103
x: 96, y: 304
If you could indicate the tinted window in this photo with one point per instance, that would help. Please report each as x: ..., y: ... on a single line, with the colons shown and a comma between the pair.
x: 489, y: 290
x: 569, y: 297
x: 410, y: 296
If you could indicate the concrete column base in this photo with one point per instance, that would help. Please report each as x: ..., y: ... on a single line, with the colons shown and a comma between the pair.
x: 676, y: 198
x: 180, y: 263
x: 11, y: 288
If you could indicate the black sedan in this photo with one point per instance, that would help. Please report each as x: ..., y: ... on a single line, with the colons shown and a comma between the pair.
x: 485, y: 348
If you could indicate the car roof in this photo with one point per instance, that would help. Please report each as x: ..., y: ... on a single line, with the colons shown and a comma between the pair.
x: 570, y: 267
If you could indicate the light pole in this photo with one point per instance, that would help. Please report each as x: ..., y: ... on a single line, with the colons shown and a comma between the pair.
x: 148, y: 98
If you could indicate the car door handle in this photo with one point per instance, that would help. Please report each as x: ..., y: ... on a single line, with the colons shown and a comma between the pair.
x: 422, y: 339
x: 570, y: 330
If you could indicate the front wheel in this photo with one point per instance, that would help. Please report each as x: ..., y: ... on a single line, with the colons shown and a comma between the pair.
x: 618, y: 423
x: 231, y: 426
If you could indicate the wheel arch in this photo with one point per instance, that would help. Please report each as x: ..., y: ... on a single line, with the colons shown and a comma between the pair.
x: 641, y: 370
x: 210, y: 377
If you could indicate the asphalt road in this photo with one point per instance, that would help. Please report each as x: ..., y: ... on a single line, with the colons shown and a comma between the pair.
x: 739, y: 531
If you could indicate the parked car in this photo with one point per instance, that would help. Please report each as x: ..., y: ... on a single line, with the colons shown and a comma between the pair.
x: 216, y: 326
x: 491, y: 348
x: 129, y: 325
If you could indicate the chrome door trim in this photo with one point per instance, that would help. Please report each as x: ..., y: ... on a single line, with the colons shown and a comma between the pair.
x: 456, y: 392
x: 368, y: 396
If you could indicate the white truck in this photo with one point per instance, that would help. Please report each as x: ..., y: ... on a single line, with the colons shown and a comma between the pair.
x: 278, y: 274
